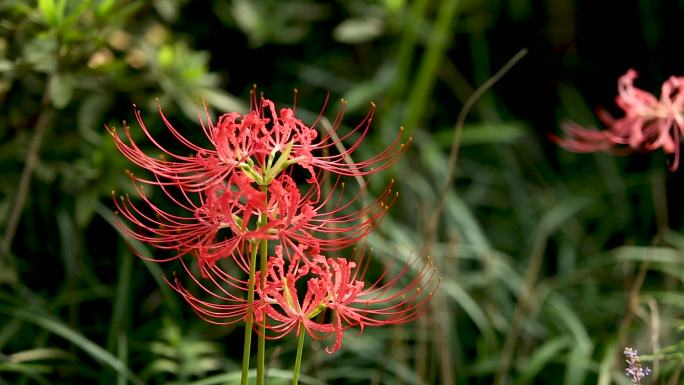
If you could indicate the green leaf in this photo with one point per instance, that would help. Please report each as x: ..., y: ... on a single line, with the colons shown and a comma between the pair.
x: 455, y: 291
x: 224, y: 101
x: 53, y: 12
x: 394, y: 5
x: 38, y: 354
x: 362, y: 92
x: 49, y: 10
x: 104, y: 7
x: 86, y: 203
x: 61, y: 89
x: 41, y: 53
x: 165, y: 56
x: 358, y: 30
x: 562, y: 212
x: 484, y: 133
x: 578, y: 362
x: 246, y: 15
x: 167, y: 9
x: 579, y: 356
x: 607, y: 363
x: 32, y: 371
x: 57, y: 327
x: 654, y: 254
x: 6, y: 65
x: 91, y: 114
x: 541, y: 357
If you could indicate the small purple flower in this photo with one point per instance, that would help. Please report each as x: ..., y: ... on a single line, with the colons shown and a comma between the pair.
x: 634, y: 369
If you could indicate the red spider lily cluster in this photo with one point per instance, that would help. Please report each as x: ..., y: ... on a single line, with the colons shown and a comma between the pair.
x: 649, y: 123
x: 241, y: 194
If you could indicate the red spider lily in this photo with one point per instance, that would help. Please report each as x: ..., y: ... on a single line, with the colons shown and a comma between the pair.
x: 220, y: 299
x: 280, y: 303
x: 308, y: 152
x: 326, y: 223
x: 195, y: 172
x: 220, y: 220
x: 649, y: 123
x: 336, y: 286
x: 260, y: 143
x: 336, y: 298
x: 221, y: 209
x: 240, y: 194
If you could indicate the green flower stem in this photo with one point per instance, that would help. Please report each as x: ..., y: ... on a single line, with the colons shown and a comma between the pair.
x: 298, y: 359
x: 248, y: 322
x: 261, y: 346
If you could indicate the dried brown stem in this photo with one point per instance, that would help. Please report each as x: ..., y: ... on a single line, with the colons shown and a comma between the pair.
x: 42, y: 124
x: 456, y: 144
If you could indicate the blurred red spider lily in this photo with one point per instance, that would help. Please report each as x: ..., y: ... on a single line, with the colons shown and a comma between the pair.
x: 649, y: 123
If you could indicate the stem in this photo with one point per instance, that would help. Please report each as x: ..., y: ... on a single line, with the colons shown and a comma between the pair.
x: 455, y: 145
x: 298, y: 359
x: 40, y: 129
x: 248, y: 322
x: 524, y: 304
x: 261, y: 345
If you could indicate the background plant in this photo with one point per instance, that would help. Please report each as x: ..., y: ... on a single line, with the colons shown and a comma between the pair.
x: 551, y: 262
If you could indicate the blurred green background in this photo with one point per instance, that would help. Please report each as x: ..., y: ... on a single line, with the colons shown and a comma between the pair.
x: 551, y: 262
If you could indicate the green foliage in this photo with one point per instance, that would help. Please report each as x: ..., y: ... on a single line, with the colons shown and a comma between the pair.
x: 271, y: 21
x: 551, y: 262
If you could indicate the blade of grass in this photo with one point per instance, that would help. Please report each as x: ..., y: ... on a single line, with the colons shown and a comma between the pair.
x: 121, y: 300
x: 429, y: 66
x: 549, y: 223
x: 579, y: 357
x: 55, y: 326
x: 607, y: 363
x: 31, y: 371
x: 541, y: 357
x: 404, y: 61
x: 170, y: 299
x: 122, y: 354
